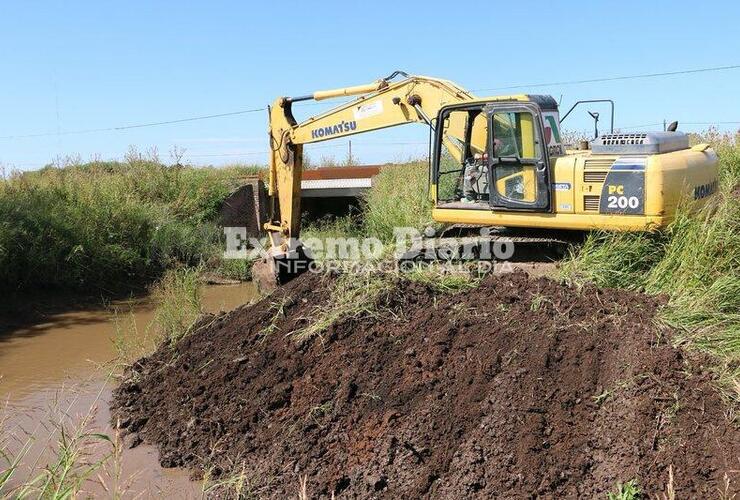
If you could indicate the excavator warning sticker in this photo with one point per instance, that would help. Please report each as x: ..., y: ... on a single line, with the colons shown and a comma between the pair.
x: 367, y: 110
x: 552, y: 133
x: 624, y: 187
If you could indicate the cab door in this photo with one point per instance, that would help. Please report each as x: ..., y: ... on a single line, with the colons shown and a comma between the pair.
x: 519, y: 170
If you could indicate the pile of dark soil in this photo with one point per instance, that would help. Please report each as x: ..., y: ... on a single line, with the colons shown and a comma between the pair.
x: 518, y: 388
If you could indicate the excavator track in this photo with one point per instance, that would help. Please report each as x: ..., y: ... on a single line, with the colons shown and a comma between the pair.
x: 465, y: 242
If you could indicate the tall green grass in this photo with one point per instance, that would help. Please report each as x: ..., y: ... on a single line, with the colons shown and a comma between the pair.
x: 107, y: 225
x: 399, y: 197
x: 179, y: 305
x: 178, y: 300
x: 695, y: 262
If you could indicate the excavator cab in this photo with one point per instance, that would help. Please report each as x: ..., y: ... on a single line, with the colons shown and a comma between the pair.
x: 491, y: 156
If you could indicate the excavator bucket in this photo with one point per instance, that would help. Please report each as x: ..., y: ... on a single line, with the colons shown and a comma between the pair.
x: 263, y: 275
x: 278, y: 268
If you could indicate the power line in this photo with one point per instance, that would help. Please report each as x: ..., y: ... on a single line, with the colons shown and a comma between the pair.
x: 256, y: 110
x: 614, y: 78
x: 142, y: 125
x: 312, y: 147
x: 249, y: 153
x: 137, y: 125
x: 680, y: 123
x: 191, y: 119
x: 709, y: 123
x: 217, y: 155
x: 639, y: 126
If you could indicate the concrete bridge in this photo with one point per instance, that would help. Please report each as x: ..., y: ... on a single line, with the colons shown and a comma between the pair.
x: 324, y: 191
x: 337, y: 182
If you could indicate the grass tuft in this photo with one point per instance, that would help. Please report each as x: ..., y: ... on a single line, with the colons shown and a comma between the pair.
x: 237, y: 486
x: 627, y: 491
x: 178, y: 303
x: 443, y: 280
x: 58, y: 458
x: 353, y: 295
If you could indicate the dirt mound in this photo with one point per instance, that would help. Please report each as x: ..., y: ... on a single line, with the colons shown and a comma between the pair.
x: 518, y: 388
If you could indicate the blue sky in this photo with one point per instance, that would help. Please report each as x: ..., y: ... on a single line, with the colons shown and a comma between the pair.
x: 79, y: 65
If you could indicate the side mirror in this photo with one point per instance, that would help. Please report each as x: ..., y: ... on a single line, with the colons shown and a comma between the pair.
x: 595, y: 116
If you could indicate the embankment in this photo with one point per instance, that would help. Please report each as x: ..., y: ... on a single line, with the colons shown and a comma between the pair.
x: 514, y: 388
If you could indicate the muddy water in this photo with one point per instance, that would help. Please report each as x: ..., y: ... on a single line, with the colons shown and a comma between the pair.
x: 58, y: 370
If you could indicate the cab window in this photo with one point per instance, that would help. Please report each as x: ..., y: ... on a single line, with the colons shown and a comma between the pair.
x: 515, y: 138
x: 463, y: 171
x: 515, y: 135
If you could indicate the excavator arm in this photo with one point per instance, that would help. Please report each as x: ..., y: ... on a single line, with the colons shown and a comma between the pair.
x: 381, y: 104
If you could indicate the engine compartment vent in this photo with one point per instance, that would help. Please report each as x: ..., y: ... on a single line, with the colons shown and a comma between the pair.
x: 640, y: 143
x: 591, y: 202
x: 597, y: 177
x: 613, y: 139
x: 598, y: 163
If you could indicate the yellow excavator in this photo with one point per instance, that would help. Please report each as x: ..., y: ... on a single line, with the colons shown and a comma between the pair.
x: 495, y: 161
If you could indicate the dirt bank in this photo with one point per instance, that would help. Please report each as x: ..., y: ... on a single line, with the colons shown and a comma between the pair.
x: 520, y: 387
